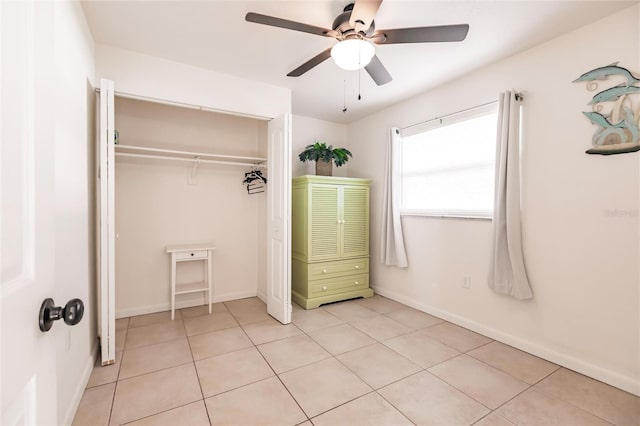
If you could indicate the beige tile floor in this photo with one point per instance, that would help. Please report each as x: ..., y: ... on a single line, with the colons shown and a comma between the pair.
x: 360, y: 362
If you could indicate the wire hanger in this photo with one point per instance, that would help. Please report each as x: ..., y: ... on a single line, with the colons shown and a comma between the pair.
x: 255, y: 181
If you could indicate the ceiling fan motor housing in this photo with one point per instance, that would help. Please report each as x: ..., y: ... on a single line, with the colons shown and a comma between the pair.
x: 342, y: 25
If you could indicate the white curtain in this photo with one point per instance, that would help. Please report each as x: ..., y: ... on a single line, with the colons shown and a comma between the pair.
x: 507, y: 273
x: 392, y: 250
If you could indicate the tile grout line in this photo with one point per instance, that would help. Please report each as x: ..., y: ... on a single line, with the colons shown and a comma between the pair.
x: 564, y: 400
x: 341, y: 404
x: 506, y: 372
x: 276, y: 374
x: 195, y: 368
x: 525, y: 390
x: 391, y: 403
x: 161, y: 412
x: 117, y: 382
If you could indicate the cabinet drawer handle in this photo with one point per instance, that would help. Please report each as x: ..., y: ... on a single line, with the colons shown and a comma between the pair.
x: 324, y: 271
x: 192, y: 254
x: 356, y: 283
x: 324, y: 288
x: 357, y: 266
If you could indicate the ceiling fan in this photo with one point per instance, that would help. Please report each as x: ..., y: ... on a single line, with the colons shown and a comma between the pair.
x: 355, y: 29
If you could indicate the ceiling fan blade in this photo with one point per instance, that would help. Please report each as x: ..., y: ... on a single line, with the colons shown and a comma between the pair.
x: 363, y: 13
x: 289, y: 25
x: 378, y: 72
x: 421, y: 34
x: 316, y: 60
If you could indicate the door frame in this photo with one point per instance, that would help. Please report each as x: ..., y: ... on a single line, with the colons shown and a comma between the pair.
x: 106, y: 211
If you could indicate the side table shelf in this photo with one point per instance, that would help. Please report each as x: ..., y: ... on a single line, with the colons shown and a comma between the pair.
x: 190, y: 253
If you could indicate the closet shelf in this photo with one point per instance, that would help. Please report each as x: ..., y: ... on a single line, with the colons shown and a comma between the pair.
x: 175, y: 155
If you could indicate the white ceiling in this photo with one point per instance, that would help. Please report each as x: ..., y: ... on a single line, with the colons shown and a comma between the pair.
x: 214, y: 35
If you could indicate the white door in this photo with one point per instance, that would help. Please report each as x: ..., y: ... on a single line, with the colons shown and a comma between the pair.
x: 279, y: 219
x: 27, y: 356
x: 106, y: 224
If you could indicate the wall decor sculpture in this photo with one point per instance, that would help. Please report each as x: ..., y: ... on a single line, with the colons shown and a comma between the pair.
x: 613, y: 109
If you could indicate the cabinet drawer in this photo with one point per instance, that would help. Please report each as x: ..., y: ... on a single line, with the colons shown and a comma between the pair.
x: 325, y: 270
x: 326, y: 287
x: 188, y: 255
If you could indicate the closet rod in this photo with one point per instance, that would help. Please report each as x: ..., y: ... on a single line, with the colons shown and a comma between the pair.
x: 194, y: 154
x: 190, y: 160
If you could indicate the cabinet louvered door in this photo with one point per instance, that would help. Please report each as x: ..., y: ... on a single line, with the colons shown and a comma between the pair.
x: 355, y: 221
x: 323, y: 226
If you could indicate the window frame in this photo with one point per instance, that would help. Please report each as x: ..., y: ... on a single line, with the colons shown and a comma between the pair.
x: 467, y: 214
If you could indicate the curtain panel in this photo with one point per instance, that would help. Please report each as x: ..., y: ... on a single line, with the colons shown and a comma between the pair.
x: 392, y: 251
x: 507, y: 272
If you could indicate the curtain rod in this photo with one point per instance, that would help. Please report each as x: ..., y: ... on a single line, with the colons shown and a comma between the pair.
x: 519, y: 97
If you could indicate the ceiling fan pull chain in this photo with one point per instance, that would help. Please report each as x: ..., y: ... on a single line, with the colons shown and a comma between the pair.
x: 344, y: 97
x: 359, y: 71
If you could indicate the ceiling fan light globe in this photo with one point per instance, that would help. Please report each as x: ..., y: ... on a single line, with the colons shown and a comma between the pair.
x: 352, y: 54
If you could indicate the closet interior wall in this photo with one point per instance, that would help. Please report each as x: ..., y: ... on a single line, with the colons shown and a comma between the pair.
x: 157, y: 205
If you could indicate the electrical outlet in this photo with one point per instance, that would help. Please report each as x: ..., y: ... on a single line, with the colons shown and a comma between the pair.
x: 466, y: 282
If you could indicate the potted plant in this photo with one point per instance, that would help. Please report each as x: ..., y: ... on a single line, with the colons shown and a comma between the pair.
x: 324, y: 155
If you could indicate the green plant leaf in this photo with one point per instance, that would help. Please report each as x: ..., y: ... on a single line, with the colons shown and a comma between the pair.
x: 319, y: 151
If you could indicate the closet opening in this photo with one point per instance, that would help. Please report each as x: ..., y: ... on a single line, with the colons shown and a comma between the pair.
x: 179, y: 176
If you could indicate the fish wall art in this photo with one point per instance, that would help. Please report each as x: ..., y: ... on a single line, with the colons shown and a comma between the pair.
x: 615, y: 109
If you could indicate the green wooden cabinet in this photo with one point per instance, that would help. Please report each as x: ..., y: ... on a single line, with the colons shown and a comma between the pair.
x: 330, y: 239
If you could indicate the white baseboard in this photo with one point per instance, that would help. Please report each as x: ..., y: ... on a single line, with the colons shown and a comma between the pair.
x: 82, y: 384
x: 180, y: 304
x: 625, y: 383
x: 262, y: 296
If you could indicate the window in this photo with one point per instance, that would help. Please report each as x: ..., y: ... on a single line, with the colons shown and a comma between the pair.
x: 448, y: 165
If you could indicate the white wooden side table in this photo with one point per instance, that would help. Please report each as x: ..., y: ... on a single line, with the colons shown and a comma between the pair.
x: 189, y: 253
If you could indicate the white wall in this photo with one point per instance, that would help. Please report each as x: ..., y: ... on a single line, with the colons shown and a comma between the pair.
x: 308, y: 130
x: 73, y: 138
x: 581, y: 256
x: 156, y: 206
x: 149, y: 76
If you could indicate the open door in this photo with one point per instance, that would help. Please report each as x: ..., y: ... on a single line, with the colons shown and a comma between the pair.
x: 106, y: 224
x: 27, y: 356
x: 279, y: 219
